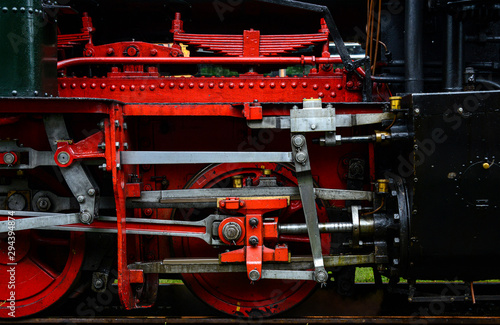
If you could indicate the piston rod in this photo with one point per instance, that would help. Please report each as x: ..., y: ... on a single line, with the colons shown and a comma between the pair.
x: 366, y: 227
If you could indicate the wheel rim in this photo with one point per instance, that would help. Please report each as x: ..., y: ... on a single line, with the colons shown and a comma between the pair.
x: 48, y: 263
x: 232, y: 293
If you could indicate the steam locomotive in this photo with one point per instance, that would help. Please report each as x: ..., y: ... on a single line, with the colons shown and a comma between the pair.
x: 226, y: 143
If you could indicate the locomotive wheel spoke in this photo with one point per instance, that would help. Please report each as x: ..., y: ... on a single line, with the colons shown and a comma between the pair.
x: 48, y: 241
x: 44, y: 267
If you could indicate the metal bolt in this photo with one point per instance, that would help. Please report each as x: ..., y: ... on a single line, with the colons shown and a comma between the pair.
x: 80, y: 198
x: 86, y: 218
x: 117, y: 145
x: 101, y: 125
x: 416, y: 111
x: 63, y: 158
x: 118, y: 166
x: 313, y: 126
x: 98, y: 283
x: 301, y: 157
x: 321, y: 276
x: 103, y: 166
x: 231, y: 231
x: 14, y: 93
x: 9, y: 158
x: 254, y: 241
x: 91, y: 192
x: 254, y: 222
x: 117, y: 124
x: 102, y: 146
x: 125, y: 145
x: 125, y: 125
x: 460, y: 110
x: 396, y: 241
x: 299, y: 140
x: 43, y: 203
x: 254, y: 275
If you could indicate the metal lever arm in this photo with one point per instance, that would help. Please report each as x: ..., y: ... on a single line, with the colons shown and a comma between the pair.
x: 306, y: 189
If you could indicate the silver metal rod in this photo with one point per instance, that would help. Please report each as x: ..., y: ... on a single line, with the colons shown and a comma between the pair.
x: 36, y: 221
x: 208, y: 197
x: 212, y: 265
x: 331, y: 227
x: 201, y: 157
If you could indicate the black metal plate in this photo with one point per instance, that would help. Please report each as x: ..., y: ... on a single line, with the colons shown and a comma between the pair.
x: 455, y: 218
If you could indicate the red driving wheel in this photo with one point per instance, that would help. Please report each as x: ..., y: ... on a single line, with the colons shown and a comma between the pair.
x: 232, y: 293
x: 45, y: 266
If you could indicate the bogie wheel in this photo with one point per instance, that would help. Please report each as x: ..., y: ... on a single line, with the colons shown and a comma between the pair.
x: 233, y: 293
x: 42, y: 269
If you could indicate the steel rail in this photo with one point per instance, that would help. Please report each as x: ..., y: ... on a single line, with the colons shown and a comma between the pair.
x: 291, y: 320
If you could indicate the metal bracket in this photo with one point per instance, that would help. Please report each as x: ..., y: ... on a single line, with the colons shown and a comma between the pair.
x: 76, y: 178
x: 312, y: 120
x: 301, y: 125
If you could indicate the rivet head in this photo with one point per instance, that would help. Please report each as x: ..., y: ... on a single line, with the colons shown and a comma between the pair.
x: 350, y: 84
x: 241, y: 85
x: 64, y: 85
x: 339, y: 86
x: 93, y: 85
x: 486, y: 165
x: 153, y: 52
x: 132, y: 87
x: 315, y: 87
x: 251, y: 85
x: 103, y: 85
x: 122, y: 87
x: 152, y: 87
x: 321, y: 95
x: 333, y: 94
x: 113, y: 87
x: 231, y: 85
x: 262, y: 85
x: 304, y: 84
x: 201, y: 85
x: 294, y: 84
x: 211, y: 85
x: 221, y: 85
x: 171, y: 85
x: 162, y: 85
x: 327, y: 86
x: 191, y: 85
x: 272, y: 85
x: 83, y: 85
x: 73, y: 86
x: 142, y: 87
x: 283, y: 84
x: 181, y: 85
